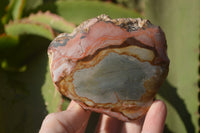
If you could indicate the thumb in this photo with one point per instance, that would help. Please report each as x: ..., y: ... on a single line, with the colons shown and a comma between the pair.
x: 74, y: 119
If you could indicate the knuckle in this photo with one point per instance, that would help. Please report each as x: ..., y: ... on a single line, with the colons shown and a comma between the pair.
x: 50, y: 117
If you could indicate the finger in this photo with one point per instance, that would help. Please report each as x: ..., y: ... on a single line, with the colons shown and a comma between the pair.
x: 108, y: 124
x: 134, y: 126
x: 74, y: 119
x: 155, y: 118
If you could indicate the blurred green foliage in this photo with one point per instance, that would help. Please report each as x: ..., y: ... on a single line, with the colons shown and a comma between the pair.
x: 180, y: 20
x: 27, y: 27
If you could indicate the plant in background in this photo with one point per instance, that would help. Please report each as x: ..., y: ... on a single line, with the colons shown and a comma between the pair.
x: 27, y: 27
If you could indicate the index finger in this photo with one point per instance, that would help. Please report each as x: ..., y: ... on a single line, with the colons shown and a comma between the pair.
x: 155, y: 118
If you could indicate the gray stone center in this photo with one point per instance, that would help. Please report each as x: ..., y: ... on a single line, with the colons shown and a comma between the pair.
x: 115, y: 76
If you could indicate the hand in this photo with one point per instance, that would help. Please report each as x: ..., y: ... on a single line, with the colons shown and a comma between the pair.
x: 75, y: 119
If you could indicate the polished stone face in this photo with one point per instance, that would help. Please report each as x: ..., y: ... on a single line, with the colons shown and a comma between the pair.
x: 111, y: 66
x: 116, y: 76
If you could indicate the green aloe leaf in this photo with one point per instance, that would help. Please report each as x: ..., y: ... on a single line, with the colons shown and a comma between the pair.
x: 17, y: 8
x: 2, y: 13
x: 41, y: 24
x: 78, y: 11
x: 17, y: 28
x: 31, y: 4
x: 134, y: 4
x: 53, y: 20
x: 180, y: 21
x: 14, y: 10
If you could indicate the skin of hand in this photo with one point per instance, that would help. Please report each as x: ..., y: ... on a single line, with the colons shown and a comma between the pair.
x: 75, y: 119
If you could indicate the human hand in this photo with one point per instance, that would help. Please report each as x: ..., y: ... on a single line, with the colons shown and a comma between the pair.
x: 75, y: 119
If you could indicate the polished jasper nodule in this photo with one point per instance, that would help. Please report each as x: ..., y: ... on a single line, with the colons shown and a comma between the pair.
x: 111, y: 66
x: 111, y: 76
